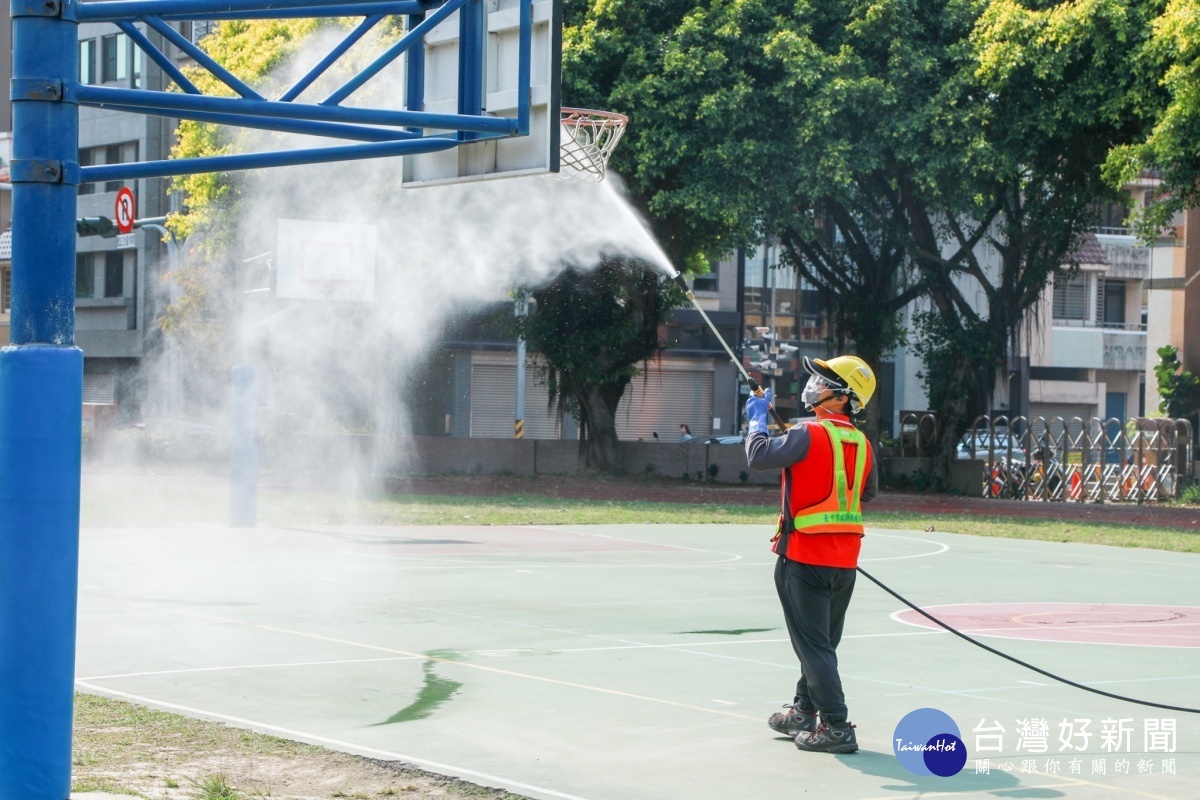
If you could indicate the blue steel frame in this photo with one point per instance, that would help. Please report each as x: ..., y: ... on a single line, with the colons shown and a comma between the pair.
x: 41, y: 372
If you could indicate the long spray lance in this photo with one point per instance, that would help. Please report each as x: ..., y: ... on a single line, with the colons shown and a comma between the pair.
x: 737, y: 362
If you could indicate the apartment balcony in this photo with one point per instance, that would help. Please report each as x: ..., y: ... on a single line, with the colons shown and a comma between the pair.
x: 1126, y: 259
x: 1087, y: 346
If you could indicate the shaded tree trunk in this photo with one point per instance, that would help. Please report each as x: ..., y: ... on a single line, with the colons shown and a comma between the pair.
x: 594, y: 328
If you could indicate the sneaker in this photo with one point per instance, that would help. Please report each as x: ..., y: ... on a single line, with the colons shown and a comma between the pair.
x: 794, y: 721
x: 826, y: 739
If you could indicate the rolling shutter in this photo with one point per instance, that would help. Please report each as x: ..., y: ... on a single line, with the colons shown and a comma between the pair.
x: 100, y: 388
x: 1068, y: 412
x: 665, y: 397
x: 494, y: 399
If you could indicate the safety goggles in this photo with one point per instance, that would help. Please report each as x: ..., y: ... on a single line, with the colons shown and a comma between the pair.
x: 815, y: 387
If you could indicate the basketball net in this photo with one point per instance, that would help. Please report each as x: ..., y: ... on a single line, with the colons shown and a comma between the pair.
x: 588, y: 139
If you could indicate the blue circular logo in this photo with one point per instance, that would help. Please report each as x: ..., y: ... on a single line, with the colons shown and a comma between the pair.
x: 927, y: 742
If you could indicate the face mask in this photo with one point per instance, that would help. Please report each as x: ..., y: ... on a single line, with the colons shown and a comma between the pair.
x: 813, y: 389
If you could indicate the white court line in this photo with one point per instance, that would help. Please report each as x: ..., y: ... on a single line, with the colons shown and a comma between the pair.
x: 944, y: 548
x: 468, y: 665
x: 247, y: 666
x: 335, y: 743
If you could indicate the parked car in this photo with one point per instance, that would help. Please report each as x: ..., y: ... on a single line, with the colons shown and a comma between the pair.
x: 738, y: 439
x: 983, y: 444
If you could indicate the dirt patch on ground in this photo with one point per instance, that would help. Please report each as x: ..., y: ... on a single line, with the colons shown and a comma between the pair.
x: 125, y: 749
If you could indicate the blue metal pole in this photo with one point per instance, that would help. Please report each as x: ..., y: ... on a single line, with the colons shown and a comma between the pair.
x: 243, y: 447
x: 158, y: 57
x: 101, y: 96
x: 41, y: 396
x: 112, y: 10
x: 525, y: 68
x: 364, y: 9
x: 202, y: 58
x: 330, y: 130
x: 333, y: 55
x: 406, y: 42
x: 284, y: 158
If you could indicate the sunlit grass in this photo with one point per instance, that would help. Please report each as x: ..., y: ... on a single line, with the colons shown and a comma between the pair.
x: 205, y: 502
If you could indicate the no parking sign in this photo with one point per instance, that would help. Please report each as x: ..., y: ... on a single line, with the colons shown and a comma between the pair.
x: 126, y: 211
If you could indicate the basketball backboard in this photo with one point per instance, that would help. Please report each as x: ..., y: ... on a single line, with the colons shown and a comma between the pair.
x: 326, y: 260
x: 435, y: 85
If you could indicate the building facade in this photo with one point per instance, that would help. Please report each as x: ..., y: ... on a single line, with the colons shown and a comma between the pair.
x: 121, y: 287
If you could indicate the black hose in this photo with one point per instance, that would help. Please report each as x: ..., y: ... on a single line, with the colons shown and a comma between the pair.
x: 1025, y: 664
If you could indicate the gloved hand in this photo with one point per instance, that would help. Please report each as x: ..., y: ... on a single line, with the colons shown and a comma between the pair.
x: 756, y: 412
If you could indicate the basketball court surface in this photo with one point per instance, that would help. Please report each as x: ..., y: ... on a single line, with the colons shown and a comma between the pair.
x: 642, y: 661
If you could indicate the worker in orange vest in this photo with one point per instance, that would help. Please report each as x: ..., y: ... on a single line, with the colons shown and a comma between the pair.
x: 828, y: 470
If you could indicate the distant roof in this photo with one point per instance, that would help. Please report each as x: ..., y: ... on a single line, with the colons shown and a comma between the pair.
x: 1090, y: 251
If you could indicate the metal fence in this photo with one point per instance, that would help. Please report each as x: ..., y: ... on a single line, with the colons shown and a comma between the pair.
x: 1081, y: 460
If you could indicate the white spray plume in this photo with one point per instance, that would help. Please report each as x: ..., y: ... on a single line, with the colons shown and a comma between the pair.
x: 444, y: 253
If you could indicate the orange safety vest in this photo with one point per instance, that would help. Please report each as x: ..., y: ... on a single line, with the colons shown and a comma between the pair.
x: 841, y: 510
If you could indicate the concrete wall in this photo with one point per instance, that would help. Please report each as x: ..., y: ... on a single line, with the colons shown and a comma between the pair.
x: 441, y: 455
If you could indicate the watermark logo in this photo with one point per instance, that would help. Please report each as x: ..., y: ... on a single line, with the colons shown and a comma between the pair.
x: 928, y: 742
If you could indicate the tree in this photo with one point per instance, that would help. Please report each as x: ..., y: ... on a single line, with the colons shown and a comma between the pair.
x: 1178, y: 388
x: 594, y: 326
x: 1036, y: 108
x: 897, y: 148
x: 1166, y: 95
x: 682, y: 167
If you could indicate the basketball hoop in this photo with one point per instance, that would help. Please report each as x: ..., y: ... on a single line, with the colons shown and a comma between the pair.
x: 588, y: 139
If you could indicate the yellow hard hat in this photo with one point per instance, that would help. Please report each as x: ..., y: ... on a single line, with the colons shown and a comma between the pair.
x: 849, y: 373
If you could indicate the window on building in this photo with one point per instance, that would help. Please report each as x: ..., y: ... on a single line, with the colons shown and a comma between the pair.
x: 85, y: 160
x: 202, y: 28
x: 6, y: 290
x: 114, y: 274
x: 123, y: 153
x: 114, y: 57
x: 1071, y: 297
x: 85, y: 276
x: 112, y: 155
x: 705, y: 283
x: 136, y: 74
x: 87, y: 61
x: 1110, y: 217
x: 1114, y: 304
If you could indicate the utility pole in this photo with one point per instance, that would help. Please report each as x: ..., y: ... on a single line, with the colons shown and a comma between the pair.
x: 521, y: 310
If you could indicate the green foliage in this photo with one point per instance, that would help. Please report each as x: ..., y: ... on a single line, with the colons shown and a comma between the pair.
x: 946, y: 350
x: 897, y: 148
x: 249, y: 49
x: 1178, y: 388
x: 713, y: 469
x: 593, y: 328
x: 677, y: 74
x: 1166, y: 96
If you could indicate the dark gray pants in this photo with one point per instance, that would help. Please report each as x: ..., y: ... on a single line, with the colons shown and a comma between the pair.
x: 814, y: 603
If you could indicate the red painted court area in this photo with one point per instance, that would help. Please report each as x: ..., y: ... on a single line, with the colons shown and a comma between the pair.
x: 1091, y: 623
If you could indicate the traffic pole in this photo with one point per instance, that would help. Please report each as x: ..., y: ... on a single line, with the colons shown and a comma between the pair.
x: 41, y: 396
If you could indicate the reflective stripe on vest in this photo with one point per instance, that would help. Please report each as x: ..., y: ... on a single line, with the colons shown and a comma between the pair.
x: 849, y: 504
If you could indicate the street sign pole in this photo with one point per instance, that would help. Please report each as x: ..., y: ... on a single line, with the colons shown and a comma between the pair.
x: 41, y: 396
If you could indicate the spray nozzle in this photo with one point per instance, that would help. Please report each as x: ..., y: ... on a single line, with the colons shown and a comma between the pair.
x: 682, y: 284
